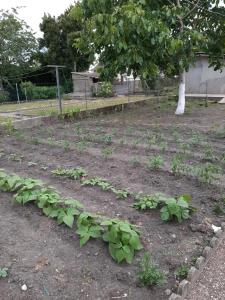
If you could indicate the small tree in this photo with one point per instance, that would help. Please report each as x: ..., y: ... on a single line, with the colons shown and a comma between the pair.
x: 17, y: 45
x: 145, y: 38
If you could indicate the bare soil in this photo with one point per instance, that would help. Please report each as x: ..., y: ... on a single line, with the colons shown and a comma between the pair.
x: 48, y: 258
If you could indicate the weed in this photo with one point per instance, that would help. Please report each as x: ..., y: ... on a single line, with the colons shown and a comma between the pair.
x: 182, y: 271
x: 223, y: 157
x: 9, y: 126
x: 178, y: 166
x: 3, y: 272
x: 81, y: 146
x: 208, y: 153
x: 107, y: 139
x: 196, y: 138
x: 135, y: 162
x: 150, y: 275
x: 155, y: 162
x: 107, y: 152
x: 208, y: 172
x: 219, y: 208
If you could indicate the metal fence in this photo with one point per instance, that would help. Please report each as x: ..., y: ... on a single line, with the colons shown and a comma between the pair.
x: 88, y: 94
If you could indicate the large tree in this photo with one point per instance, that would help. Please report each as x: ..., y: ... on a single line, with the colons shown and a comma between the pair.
x: 148, y: 37
x: 57, y: 45
x: 17, y: 46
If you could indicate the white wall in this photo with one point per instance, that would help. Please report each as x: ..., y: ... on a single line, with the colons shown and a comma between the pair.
x: 200, y: 78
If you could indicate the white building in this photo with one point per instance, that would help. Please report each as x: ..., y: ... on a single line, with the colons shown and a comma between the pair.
x: 200, y: 79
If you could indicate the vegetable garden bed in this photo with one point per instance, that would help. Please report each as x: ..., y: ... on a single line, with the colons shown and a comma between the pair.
x: 108, y: 163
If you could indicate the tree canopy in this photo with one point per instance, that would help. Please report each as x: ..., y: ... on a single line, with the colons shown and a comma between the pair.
x: 145, y: 37
x: 17, y: 45
x: 57, y: 45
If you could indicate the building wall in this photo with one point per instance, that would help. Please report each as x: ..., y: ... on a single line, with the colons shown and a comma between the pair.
x: 82, y: 85
x: 201, y: 79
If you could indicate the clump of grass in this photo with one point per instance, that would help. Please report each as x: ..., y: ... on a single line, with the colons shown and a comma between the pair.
x: 155, y: 162
x: 182, y: 271
x: 150, y: 275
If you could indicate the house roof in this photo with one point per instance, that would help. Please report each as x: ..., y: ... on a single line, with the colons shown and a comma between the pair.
x: 87, y: 74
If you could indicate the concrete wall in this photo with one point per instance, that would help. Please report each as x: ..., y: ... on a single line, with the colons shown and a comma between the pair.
x: 200, y: 78
x: 82, y: 85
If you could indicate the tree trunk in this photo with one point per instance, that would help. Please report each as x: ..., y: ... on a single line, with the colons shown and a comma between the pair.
x: 181, y: 100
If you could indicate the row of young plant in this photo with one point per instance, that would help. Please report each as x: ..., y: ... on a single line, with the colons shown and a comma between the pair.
x: 170, y: 207
x: 122, y: 237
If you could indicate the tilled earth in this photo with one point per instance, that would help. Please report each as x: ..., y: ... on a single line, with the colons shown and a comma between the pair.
x: 117, y: 147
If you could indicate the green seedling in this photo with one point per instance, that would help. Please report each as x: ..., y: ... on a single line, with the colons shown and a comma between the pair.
x: 3, y: 272
x: 75, y: 173
x: 155, y: 162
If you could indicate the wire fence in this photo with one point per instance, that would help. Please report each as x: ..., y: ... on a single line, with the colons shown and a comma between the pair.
x: 87, y: 93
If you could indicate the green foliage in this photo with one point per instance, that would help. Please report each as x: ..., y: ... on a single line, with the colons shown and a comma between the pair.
x: 75, y: 173
x: 9, y: 126
x: 122, y: 237
x: 178, y: 166
x: 106, y: 186
x: 4, y: 96
x: 176, y: 209
x: 155, y: 162
x: 150, y: 275
x: 107, y: 152
x: 87, y: 228
x: 196, y: 138
x: 105, y: 90
x: 146, y: 201
x: 123, y: 240
x: 58, y: 38
x: 3, y: 272
x: 208, y: 172
x: 208, y: 153
x: 182, y: 271
x: 39, y: 92
x: 17, y: 47
x: 219, y: 207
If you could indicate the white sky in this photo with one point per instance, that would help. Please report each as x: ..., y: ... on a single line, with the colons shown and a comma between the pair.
x: 34, y: 10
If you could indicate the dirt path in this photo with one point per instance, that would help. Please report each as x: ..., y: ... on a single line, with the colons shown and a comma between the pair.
x: 211, y: 284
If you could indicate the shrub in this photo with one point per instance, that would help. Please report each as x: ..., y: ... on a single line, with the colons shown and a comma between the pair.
x: 38, y: 92
x: 4, y: 96
x: 105, y: 90
x: 150, y: 275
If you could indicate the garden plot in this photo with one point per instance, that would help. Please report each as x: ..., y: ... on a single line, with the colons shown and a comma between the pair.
x: 147, y: 150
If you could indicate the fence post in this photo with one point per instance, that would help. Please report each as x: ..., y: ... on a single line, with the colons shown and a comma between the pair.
x: 85, y: 93
x: 206, y: 92
x: 17, y: 93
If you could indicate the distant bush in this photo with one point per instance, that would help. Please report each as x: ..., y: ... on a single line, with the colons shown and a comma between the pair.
x: 105, y: 90
x: 4, y: 96
x: 35, y: 92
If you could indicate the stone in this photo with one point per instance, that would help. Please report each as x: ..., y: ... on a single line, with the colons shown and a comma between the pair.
x: 223, y: 226
x: 214, y: 242
x: 206, y: 252
x: 175, y: 297
x: 192, y: 274
x: 24, y: 288
x: 200, y: 262
x: 219, y: 233
x: 168, y: 292
x: 183, y: 288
